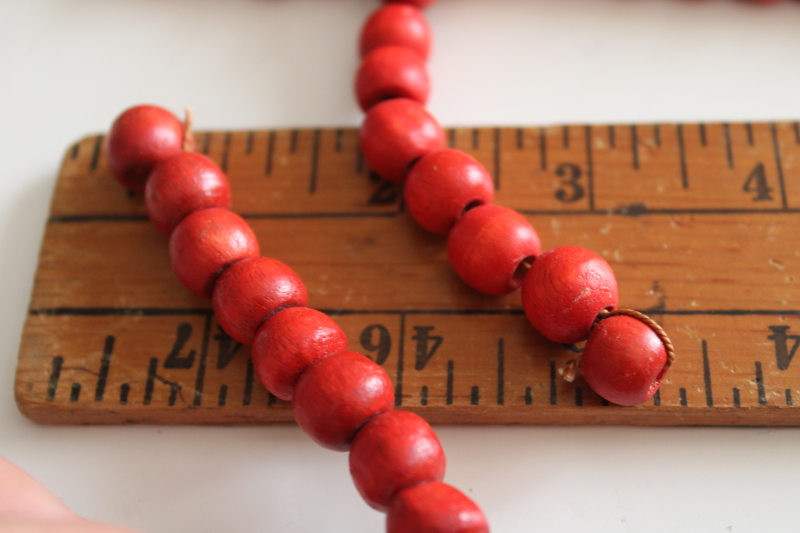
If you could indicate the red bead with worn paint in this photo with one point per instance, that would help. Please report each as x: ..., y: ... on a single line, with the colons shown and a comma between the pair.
x: 488, y: 245
x: 395, y: 134
x: 182, y: 184
x: 139, y: 138
x: 337, y: 395
x: 288, y: 342
x: 392, y: 452
x: 564, y: 291
x: 434, y: 508
x: 396, y: 25
x: 249, y: 291
x: 442, y: 185
x: 391, y: 72
x: 206, y: 242
x: 624, y: 361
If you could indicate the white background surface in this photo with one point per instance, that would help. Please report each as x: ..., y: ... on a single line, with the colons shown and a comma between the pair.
x: 68, y: 67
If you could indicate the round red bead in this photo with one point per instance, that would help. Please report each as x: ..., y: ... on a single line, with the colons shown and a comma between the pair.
x: 395, y: 134
x: 249, y: 291
x: 182, y: 184
x: 564, y: 291
x: 391, y: 72
x: 290, y: 341
x: 396, y: 24
x: 204, y: 243
x: 624, y: 361
x: 392, y: 452
x: 139, y: 138
x: 441, y: 185
x: 434, y: 508
x: 487, y: 246
x: 337, y: 395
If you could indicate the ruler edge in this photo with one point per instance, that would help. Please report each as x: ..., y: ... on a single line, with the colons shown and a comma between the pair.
x: 543, y: 415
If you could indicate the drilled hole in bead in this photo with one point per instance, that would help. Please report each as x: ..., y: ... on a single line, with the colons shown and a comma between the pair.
x: 522, y: 269
x: 472, y: 205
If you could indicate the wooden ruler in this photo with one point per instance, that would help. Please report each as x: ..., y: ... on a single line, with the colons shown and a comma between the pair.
x: 701, y: 224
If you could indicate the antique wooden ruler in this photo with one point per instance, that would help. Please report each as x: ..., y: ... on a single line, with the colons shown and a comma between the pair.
x: 701, y: 223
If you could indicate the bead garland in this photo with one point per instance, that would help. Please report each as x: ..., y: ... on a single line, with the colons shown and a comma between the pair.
x: 342, y: 399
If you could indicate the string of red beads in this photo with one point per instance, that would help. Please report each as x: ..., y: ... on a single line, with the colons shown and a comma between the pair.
x: 492, y: 248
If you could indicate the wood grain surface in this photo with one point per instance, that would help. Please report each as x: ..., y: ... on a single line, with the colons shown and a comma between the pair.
x: 700, y: 222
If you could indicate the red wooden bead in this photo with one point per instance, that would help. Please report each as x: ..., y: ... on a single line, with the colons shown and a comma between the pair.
x: 624, y: 361
x: 434, y: 508
x: 391, y: 72
x: 337, y: 395
x: 396, y: 24
x: 395, y: 134
x: 204, y: 243
x: 249, y: 291
x: 487, y: 246
x: 419, y: 3
x: 564, y: 291
x: 392, y: 452
x: 139, y: 138
x: 441, y: 185
x: 290, y: 341
x: 182, y: 184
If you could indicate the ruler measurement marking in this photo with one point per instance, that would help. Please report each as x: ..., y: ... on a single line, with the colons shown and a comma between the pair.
x: 150, y: 384
x: 338, y: 143
x: 703, y: 138
x: 55, y: 374
x: 657, y: 134
x: 749, y: 128
x: 359, y: 161
x: 726, y: 128
x: 271, y: 399
x: 779, y: 164
x: 124, y: 391
x: 247, y: 395
x: 75, y: 392
x: 553, y: 389
x: 105, y: 364
x: 206, y: 143
x: 612, y: 136
x: 398, y: 393
x: 293, y: 141
x: 270, y: 152
x: 451, y: 137
x: 174, y: 388
x: 248, y: 148
x: 788, y: 395
x: 682, y: 395
x: 737, y: 402
x: 543, y: 148
x: 312, y: 187
x: 474, y: 395
x: 497, y: 140
x: 225, y: 152
x: 476, y: 139
x: 682, y: 152
x: 578, y: 397
x: 528, y: 396
x: 98, y: 146
x: 501, y: 371
x: 449, y: 390
x: 635, y: 147
x: 797, y: 132
x: 423, y: 395
x: 707, y: 375
x: 520, y: 138
x: 223, y: 393
x: 657, y: 398
x: 565, y: 136
x: 589, y: 166
x: 762, y: 395
x: 76, y: 149
x: 201, y: 365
